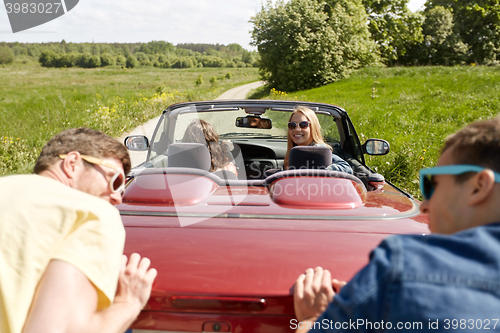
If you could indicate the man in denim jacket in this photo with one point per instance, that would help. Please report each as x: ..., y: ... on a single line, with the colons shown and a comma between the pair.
x: 443, y: 282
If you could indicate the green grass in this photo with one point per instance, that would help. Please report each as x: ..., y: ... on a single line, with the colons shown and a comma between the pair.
x: 37, y: 102
x: 413, y: 108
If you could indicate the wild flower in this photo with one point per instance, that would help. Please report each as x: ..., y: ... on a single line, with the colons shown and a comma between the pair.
x: 275, y: 92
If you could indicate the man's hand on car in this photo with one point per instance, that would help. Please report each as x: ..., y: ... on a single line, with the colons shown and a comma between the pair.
x: 135, y: 281
x: 314, y: 290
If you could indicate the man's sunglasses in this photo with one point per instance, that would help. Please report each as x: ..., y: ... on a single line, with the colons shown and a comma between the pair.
x: 303, y: 125
x: 426, y: 176
x: 117, y: 182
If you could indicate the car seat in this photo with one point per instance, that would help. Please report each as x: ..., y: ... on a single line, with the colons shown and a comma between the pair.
x: 189, y: 155
x: 309, y: 157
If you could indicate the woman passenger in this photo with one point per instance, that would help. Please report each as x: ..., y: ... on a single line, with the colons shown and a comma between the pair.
x: 304, y: 130
x: 200, y: 131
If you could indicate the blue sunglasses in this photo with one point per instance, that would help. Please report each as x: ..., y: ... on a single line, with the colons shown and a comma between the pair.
x: 427, y: 183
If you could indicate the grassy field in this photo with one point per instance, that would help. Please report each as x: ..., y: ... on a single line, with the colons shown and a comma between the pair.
x: 412, y: 108
x: 37, y: 102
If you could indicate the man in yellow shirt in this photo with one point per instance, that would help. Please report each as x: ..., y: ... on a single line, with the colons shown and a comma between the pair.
x: 61, y: 244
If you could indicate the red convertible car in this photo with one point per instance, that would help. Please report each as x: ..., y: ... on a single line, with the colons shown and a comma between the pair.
x: 228, y: 246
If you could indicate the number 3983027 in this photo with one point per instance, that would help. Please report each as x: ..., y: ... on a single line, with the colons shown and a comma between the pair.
x: 33, y: 7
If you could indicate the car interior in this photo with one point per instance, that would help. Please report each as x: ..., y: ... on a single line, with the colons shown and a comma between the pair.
x: 255, y: 141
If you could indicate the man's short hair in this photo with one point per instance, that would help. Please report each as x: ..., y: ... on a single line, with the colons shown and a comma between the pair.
x: 477, y: 143
x: 86, y: 141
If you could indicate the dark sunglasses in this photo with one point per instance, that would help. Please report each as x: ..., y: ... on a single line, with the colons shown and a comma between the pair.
x: 303, y: 125
x: 427, y: 183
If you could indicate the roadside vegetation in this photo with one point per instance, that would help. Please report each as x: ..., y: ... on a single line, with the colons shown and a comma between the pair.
x: 414, y: 108
x: 37, y: 102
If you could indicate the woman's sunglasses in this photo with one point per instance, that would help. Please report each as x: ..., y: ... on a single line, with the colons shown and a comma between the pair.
x: 427, y: 183
x: 303, y: 125
x: 117, y: 181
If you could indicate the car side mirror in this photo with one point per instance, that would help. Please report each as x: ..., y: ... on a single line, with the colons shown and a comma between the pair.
x: 376, y: 147
x: 136, y: 142
x: 254, y: 122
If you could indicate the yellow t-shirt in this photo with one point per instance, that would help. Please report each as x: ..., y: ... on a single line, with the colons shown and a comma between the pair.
x: 42, y: 219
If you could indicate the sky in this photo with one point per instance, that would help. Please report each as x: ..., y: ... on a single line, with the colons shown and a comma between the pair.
x: 130, y: 21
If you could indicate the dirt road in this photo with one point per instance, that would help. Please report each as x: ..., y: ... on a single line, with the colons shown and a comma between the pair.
x: 147, y: 128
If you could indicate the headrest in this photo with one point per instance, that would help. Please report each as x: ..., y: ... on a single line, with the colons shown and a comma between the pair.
x: 189, y: 155
x: 309, y: 157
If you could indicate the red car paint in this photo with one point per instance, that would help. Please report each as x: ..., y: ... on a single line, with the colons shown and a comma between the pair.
x: 236, y: 267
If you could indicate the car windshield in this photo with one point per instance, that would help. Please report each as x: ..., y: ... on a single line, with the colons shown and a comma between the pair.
x: 224, y: 124
x: 264, y: 145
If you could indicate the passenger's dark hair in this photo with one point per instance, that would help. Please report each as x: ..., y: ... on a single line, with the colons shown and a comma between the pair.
x: 200, y: 131
x: 478, y: 144
x: 86, y: 141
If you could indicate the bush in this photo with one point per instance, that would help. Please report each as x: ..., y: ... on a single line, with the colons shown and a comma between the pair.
x: 199, y: 80
x: 142, y: 58
x: 131, y: 61
x: 183, y: 62
x: 121, y: 60
x: 84, y: 59
x: 213, y: 80
x: 153, y: 58
x: 6, y: 55
x: 46, y: 59
x: 94, y: 61
x: 107, y: 60
x: 211, y: 61
x: 68, y: 60
x: 33, y: 51
x: 229, y: 63
x: 229, y: 75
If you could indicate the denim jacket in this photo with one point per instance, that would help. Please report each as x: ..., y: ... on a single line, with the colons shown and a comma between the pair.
x: 433, y: 283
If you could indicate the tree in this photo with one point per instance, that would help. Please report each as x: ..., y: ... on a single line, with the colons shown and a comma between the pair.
x: 442, y: 46
x: 46, y: 58
x: 84, y: 60
x: 131, y: 61
x: 141, y: 57
x: 121, y: 60
x: 94, y: 61
x: 246, y: 57
x: 68, y: 60
x: 394, y: 28
x: 307, y: 43
x: 184, y: 62
x: 33, y: 51
x: 157, y: 47
x: 477, y: 23
x: 107, y: 60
